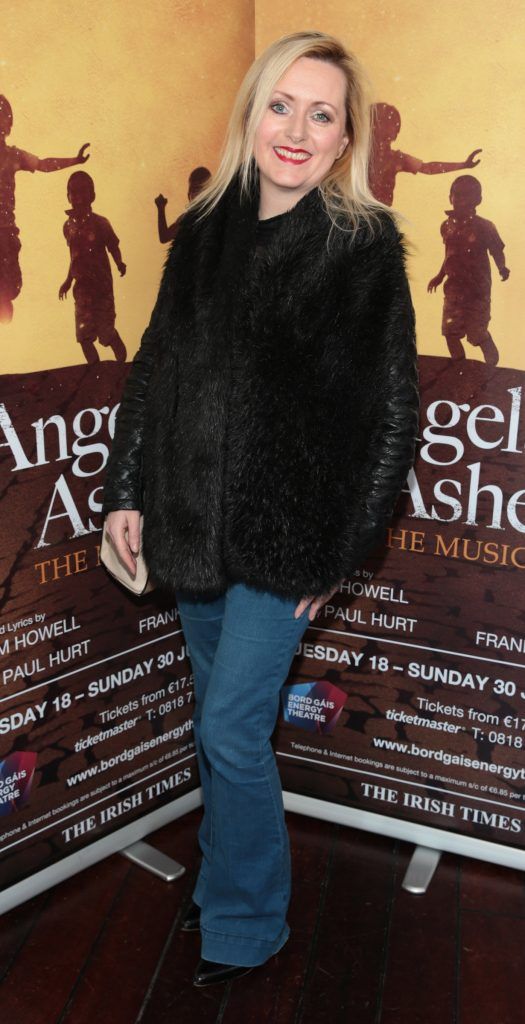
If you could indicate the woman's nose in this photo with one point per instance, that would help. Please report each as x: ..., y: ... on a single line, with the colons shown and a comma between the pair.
x: 297, y: 129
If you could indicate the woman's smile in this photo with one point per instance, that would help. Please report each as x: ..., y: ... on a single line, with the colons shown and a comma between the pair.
x: 292, y: 156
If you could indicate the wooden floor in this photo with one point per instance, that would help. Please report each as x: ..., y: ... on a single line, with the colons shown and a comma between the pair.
x: 105, y: 946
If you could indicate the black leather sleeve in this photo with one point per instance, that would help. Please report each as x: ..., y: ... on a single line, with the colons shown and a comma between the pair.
x: 123, y: 480
x: 395, y: 403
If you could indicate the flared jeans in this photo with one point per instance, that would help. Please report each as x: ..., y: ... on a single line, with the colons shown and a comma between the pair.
x: 241, y: 646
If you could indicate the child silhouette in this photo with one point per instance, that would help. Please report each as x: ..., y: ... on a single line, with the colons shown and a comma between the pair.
x: 468, y: 241
x: 88, y: 236
x: 196, y: 181
x: 12, y: 160
x: 386, y: 163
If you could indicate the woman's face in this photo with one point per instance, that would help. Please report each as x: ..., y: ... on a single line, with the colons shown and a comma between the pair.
x: 301, y: 132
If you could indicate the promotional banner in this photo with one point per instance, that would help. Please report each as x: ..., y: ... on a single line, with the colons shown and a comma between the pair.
x: 96, y: 690
x: 407, y: 697
x: 104, y: 132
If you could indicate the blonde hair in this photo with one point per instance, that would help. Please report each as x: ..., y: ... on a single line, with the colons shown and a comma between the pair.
x: 344, y: 189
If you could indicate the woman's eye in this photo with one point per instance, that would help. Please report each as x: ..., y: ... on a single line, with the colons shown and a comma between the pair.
x: 319, y: 114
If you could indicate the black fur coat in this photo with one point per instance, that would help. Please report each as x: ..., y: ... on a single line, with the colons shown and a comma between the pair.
x: 270, y: 415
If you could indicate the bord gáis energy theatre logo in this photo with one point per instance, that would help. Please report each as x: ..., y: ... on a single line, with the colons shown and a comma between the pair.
x: 16, y: 776
x: 313, y: 706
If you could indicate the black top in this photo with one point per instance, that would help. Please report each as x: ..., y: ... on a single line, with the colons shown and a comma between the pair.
x: 266, y: 229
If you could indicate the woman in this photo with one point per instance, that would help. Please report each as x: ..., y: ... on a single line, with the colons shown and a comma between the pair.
x: 266, y: 430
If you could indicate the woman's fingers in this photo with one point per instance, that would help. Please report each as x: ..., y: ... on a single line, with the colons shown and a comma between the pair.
x: 315, y: 602
x: 301, y: 607
x: 134, y: 532
x: 123, y: 527
x: 315, y: 606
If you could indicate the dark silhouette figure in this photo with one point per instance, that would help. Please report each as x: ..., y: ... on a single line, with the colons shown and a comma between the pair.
x: 386, y: 163
x: 12, y: 160
x: 466, y: 271
x: 90, y: 237
x: 196, y: 182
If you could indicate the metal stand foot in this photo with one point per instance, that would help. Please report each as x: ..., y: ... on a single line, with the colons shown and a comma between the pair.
x: 153, y: 860
x: 423, y: 863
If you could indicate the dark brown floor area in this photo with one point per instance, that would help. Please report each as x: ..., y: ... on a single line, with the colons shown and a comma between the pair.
x: 104, y: 947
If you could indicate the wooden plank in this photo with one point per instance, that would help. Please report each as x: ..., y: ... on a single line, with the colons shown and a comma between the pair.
x: 16, y: 927
x: 114, y: 981
x: 420, y: 984
x: 43, y: 974
x: 492, y: 888
x: 344, y: 981
x: 491, y: 969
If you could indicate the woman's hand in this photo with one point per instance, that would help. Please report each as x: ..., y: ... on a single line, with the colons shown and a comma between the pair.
x: 317, y: 603
x: 123, y: 527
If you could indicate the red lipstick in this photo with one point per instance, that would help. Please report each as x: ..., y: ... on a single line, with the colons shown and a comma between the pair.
x: 290, y: 159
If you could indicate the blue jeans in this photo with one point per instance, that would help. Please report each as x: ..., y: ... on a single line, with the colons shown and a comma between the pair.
x: 241, y: 646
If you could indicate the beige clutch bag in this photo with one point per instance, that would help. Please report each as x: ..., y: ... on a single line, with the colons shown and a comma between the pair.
x: 140, y: 583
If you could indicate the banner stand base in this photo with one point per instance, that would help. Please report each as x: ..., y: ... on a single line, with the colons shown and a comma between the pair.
x: 423, y: 863
x: 154, y: 860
